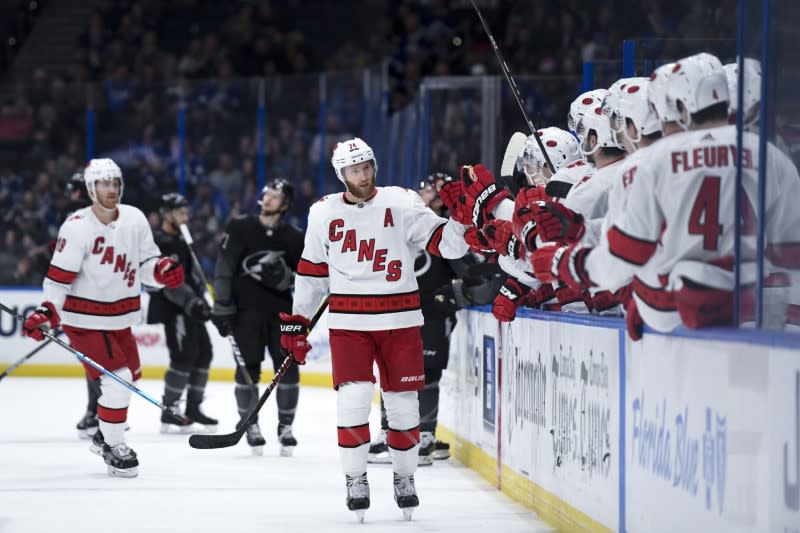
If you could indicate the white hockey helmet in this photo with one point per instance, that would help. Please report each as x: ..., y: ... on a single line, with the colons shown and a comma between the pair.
x: 102, y: 169
x: 595, y: 120
x: 351, y: 152
x: 657, y: 93
x: 698, y: 82
x: 579, y: 106
x: 752, y: 87
x: 629, y: 101
x: 561, y: 147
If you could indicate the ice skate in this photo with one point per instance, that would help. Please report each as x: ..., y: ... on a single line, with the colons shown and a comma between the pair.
x: 170, y: 425
x: 405, y: 494
x: 427, y: 445
x: 196, y: 416
x: 121, y: 459
x: 255, y: 439
x: 379, y: 450
x: 286, y: 439
x: 441, y: 450
x: 358, y: 495
x: 87, y: 427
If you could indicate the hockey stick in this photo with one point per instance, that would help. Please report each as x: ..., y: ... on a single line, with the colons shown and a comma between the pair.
x: 33, y: 352
x: 237, y: 353
x: 97, y: 366
x: 513, y: 85
x: 209, y: 442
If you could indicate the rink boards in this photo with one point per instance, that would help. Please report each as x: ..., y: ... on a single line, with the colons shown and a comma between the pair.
x: 689, y: 432
x: 597, y: 433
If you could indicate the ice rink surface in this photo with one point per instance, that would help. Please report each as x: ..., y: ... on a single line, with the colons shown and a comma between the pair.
x: 50, y: 482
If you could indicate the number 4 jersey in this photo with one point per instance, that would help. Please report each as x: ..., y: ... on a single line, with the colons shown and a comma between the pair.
x: 683, y: 196
x: 363, y: 254
x: 97, y: 269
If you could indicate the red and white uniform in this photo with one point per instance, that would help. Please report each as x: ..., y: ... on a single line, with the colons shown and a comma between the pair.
x: 363, y: 255
x: 682, y: 196
x: 589, y: 196
x: 96, y: 273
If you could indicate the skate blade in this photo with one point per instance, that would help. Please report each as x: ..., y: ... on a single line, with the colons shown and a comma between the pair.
x: 441, y: 455
x: 379, y: 458
x: 257, y: 450
x: 287, y: 451
x: 424, y: 460
x: 361, y: 516
x: 408, y: 512
x: 97, y: 450
x: 172, y: 429
x: 123, y: 472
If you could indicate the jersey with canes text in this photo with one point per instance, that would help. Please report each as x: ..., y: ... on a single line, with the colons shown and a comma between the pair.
x: 363, y: 255
x: 97, y: 270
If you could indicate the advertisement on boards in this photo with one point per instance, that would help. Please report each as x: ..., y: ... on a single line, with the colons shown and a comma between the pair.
x: 150, y: 339
x: 696, y: 451
x: 784, y: 419
x: 560, y: 410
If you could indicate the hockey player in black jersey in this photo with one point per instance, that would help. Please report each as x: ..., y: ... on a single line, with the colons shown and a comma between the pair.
x: 184, y: 312
x: 445, y: 285
x: 253, y: 278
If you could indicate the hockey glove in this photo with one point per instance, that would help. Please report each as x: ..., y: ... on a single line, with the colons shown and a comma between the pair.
x: 477, y: 242
x: 529, y: 195
x: 483, y: 193
x: 197, y: 309
x: 540, y: 296
x: 168, y: 272
x: 500, y: 237
x: 524, y: 227
x: 224, y: 318
x: 43, y: 316
x: 565, y: 263
x: 512, y: 295
x: 294, y: 336
x: 634, y: 321
x: 557, y: 222
x: 452, y: 192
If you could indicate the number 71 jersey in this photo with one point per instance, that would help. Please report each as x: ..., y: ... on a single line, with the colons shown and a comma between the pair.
x: 684, y: 194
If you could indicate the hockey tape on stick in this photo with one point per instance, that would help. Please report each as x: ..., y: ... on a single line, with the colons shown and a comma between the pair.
x: 100, y: 368
x: 210, y: 442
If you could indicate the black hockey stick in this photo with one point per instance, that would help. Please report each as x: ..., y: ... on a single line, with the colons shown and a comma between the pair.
x: 237, y: 353
x: 210, y: 442
x: 33, y: 352
x: 100, y: 368
x: 514, y: 88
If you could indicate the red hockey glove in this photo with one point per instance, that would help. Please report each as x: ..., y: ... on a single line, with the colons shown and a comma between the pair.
x: 524, y: 227
x: 540, y: 296
x: 512, y: 295
x: 634, y: 321
x: 529, y: 195
x: 294, y: 336
x: 44, y: 315
x: 483, y: 193
x: 452, y: 192
x: 169, y: 273
x: 557, y: 222
x: 476, y: 241
x: 501, y: 238
x: 565, y: 263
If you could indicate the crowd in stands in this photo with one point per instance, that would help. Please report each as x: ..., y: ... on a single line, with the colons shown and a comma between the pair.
x: 138, y: 61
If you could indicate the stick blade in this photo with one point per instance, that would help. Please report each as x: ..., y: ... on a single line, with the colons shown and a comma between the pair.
x: 513, y: 149
x: 212, y: 442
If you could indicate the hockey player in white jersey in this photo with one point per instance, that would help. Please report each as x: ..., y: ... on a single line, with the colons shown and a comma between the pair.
x: 103, y: 254
x: 683, y: 196
x: 360, y: 248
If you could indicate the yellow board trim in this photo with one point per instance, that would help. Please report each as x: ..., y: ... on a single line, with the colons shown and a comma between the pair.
x: 310, y: 379
x: 550, y: 508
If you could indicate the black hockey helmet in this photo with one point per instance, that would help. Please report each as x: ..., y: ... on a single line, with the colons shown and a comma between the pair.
x: 283, y: 186
x: 75, y: 182
x: 172, y: 201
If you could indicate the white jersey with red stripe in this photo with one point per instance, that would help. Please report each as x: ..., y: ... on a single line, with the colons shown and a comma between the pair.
x: 363, y: 255
x: 682, y: 195
x: 97, y: 270
x: 589, y: 197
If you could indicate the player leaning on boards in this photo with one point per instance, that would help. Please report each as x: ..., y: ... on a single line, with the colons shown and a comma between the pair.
x: 360, y: 247
x: 103, y: 254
